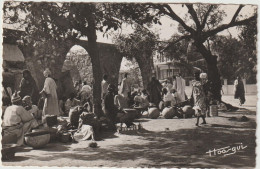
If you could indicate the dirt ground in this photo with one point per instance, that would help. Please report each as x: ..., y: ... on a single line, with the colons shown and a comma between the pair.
x: 183, y: 145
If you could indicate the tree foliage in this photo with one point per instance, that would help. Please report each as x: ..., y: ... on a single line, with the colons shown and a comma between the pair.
x: 137, y: 44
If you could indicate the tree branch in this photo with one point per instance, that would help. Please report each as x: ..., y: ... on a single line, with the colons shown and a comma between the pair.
x: 206, y: 16
x: 226, y: 26
x: 194, y: 15
x: 178, y: 19
x: 178, y: 40
x: 236, y: 14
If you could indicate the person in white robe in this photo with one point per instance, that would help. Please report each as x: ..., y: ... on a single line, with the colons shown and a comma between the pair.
x: 51, y: 105
x: 125, y: 88
x: 180, y: 88
x: 17, y: 121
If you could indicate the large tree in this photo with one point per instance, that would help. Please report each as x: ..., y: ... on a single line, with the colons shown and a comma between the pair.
x: 59, y: 26
x: 202, y: 22
x: 140, y: 45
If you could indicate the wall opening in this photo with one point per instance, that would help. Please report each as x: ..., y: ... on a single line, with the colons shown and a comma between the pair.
x: 79, y: 64
x: 133, y: 70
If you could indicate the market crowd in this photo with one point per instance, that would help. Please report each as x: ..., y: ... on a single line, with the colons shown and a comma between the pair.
x: 29, y: 108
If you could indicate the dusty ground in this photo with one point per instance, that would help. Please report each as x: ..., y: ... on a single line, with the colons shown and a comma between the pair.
x: 184, y: 145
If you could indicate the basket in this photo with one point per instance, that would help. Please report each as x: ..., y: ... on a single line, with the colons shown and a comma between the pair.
x: 51, y: 120
x: 37, y: 139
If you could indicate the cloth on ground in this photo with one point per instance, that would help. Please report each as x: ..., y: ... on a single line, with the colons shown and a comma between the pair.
x: 85, y: 132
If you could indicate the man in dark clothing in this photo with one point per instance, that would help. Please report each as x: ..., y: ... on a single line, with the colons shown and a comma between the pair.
x: 109, y: 108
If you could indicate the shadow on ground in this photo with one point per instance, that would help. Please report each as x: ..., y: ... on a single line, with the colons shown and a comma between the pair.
x: 181, y: 148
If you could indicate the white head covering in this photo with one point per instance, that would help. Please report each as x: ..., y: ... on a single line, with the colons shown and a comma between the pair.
x: 203, y: 75
x: 47, y: 72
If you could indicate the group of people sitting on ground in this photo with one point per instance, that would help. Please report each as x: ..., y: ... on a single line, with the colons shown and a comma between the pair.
x: 21, y: 115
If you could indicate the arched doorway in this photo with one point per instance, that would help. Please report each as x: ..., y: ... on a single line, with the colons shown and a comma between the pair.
x: 79, y: 64
x: 133, y: 71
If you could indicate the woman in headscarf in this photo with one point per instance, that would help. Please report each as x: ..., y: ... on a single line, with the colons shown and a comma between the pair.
x: 199, y: 97
x: 154, y: 88
x: 239, y: 90
x: 51, y: 106
x: 28, y: 87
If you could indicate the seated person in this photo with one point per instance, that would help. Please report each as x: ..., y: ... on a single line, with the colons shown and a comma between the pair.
x: 120, y: 101
x: 174, y: 100
x: 112, y: 112
x: 71, y: 103
x: 141, y: 100
x: 131, y: 97
x: 88, y: 118
x: 17, y: 121
x: 168, y: 98
x: 33, y: 109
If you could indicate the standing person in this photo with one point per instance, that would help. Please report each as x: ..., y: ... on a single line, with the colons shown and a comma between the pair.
x: 104, y: 86
x: 180, y: 88
x: 51, y: 106
x: 239, y: 90
x: 109, y: 107
x: 125, y: 87
x: 206, y: 87
x: 199, y: 99
x: 28, y: 87
x: 154, y: 88
x: 174, y: 86
x: 17, y: 121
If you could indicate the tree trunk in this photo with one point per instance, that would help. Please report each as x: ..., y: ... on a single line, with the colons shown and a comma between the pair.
x: 214, y: 77
x: 146, y: 64
x: 213, y: 72
x: 97, y: 74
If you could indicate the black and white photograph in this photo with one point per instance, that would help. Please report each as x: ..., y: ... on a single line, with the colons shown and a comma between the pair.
x: 148, y: 84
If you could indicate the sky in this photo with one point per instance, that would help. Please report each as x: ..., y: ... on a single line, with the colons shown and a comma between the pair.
x: 169, y: 27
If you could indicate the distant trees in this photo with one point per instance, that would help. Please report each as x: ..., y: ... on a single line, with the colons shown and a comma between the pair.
x: 141, y: 46
x: 202, y: 22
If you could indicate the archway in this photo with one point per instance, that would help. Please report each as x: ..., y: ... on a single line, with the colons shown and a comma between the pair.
x: 77, y: 67
x: 79, y: 64
x: 133, y: 71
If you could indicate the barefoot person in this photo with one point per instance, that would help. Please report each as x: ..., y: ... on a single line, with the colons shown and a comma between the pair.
x: 199, y: 99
